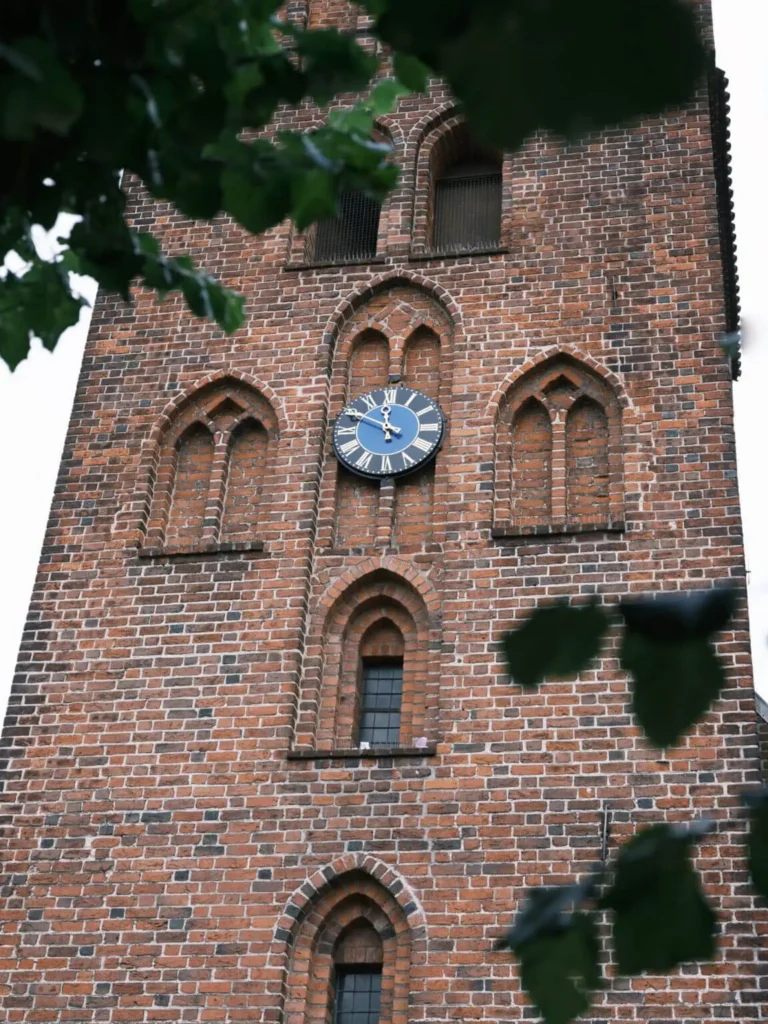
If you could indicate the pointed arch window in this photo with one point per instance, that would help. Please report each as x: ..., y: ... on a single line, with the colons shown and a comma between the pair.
x: 558, y: 460
x: 358, y: 960
x: 465, y: 203
x: 375, y: 674
x: 351, y: 953
x: 211, y: 475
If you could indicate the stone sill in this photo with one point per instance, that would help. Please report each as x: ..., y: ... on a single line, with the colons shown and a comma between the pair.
x: 512, y: 530
x: 456, y: 254
x: 330, y: 264
x: 356, y: 754
x: 427, y: 552
x: 201, y: 550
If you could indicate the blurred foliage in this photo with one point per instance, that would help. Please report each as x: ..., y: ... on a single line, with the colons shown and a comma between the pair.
x: 658, y: 913
x: 181, y: 93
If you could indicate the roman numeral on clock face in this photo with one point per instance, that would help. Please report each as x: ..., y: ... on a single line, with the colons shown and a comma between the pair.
x: 431, y: 428
x: 407, y: 460
x: 390, y: 396
x: 364, y: 461
x: 422, y: 444
x: 386, y: 464
x: 370, y: 403
x: 350, y: 431
x: 348, y: 447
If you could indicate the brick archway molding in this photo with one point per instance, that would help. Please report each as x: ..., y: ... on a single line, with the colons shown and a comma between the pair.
x: 140, y: 510
x: 389, y: 580
x: 353, y: 888
x: 384, y: 282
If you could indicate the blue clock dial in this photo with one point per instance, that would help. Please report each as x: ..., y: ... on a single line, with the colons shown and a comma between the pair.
x: 388, y: 432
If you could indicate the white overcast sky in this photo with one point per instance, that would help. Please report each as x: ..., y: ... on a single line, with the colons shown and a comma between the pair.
x: 36, y: 400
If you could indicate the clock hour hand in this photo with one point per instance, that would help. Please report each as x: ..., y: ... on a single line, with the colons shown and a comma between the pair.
x: 354, y: 414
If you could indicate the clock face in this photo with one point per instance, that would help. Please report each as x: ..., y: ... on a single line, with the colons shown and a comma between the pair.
x: 388, y: 432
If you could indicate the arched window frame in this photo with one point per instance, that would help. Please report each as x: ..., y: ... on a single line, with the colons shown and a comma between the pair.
x: 352, y: 898
x: 302, y: 244
x: 533, y: 385
x: 200, y: 408
x: 328, y: 712
x: 442, y: 139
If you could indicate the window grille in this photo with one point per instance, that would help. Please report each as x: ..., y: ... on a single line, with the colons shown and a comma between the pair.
x: 467, y: 213
x: 353, y: 235
x: 358, y: 997
x: 382, y: 695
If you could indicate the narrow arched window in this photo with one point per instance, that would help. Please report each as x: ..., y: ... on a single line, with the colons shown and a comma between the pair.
x: 532, y: 463
x: 587, y: 473
x: 380, y: 702
x: 352, y: 234
x: 358, y: 960
x: 381, y: 686
x: 246, y: 476
x: 467, y: 195
x: 194, y: 459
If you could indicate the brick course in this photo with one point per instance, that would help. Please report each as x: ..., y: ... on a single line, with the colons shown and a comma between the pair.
x: 184, y: 818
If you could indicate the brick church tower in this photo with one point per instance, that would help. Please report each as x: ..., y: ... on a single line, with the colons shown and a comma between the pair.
x: 263, y: 762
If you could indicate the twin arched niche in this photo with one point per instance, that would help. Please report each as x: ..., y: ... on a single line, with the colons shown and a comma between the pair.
x: 400, y: 335
x: 558, y: 452
x: 210, y: 473
x: 372, y: 664
x: 353, y: 931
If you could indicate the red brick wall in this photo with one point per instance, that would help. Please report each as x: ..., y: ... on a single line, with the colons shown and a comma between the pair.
x: 173, y: 847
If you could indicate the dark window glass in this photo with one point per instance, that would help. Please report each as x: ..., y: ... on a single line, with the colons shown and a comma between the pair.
x: 353, y: 234
x: 358, y: 997
x: 380, y: 702
x: 467, y: 211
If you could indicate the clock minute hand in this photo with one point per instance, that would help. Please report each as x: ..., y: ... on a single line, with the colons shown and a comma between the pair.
x: 369, y: 419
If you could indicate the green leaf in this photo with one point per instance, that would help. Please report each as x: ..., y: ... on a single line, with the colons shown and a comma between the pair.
x: 690, y: 615
x: 411, y: 72
x: 563, y: 66
x: 557, y: 640
x: 38, y: 303
x: 660, y: 918
x: 547, y: 911
x: 314, y: 198
x: 256, y: 203
x: 204, y: 295
x: 333, y: 63
x: 674, y: 684
x: 557, y: 947
x: 757, y: 844
x: 51, y: 99
x: 385, y: 95
x: 560, y: 972
x: 20, y: 62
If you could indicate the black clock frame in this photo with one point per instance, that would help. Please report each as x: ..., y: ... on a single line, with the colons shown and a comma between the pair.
x: 425, y: 460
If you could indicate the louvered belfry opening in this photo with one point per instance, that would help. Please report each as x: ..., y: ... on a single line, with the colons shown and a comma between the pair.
x: 352, y: 235
x: 466, y: 202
